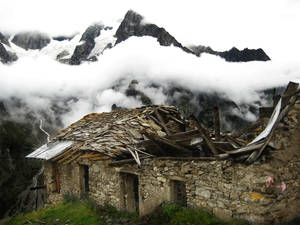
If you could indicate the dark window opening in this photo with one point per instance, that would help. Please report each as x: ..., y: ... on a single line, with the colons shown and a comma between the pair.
x: 86, y: 178
x: 130, y: 192
x: 178, y: 192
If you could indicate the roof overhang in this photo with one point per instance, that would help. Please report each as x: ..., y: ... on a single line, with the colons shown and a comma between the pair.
x: 50, y: 150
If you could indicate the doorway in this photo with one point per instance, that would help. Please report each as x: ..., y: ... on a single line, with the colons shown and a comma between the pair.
x: 130, y: 192
x: 84, y: 173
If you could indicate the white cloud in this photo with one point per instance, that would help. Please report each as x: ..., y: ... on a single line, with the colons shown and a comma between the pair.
x: 38, y: 80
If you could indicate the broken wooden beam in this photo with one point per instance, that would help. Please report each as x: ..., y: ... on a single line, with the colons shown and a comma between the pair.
x: 167, y: 142
x: 205, y: 137
x: 187, y: 158
x: 217, y: 122
x: 162, y: 122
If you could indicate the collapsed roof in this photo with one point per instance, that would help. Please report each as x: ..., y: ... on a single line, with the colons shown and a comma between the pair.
x: 132, y: 135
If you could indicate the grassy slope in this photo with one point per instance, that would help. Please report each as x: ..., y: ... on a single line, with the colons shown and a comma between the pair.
x: 87, y: 212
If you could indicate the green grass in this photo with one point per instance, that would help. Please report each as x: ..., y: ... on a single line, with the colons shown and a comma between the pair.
x: 172, y: 214
x: 87, y: 212
x: 64, y: 213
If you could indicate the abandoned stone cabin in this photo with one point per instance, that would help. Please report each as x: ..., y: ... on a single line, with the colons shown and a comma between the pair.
x: 138, y: 158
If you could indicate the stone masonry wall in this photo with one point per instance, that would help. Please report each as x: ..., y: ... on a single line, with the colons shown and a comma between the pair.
x: 228, y: 190
x: 225, y: 189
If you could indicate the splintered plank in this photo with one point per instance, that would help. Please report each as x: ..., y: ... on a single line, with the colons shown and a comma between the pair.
x: 167, y: 142
x: 184, y: 136
x: 234, y: 142
x: 161, y: 120
x: 205, y: 137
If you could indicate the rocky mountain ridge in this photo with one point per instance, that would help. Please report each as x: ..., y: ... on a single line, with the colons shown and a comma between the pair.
x: 133, y: 24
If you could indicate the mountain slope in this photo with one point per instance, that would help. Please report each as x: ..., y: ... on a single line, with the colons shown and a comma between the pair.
x: 98, y: 38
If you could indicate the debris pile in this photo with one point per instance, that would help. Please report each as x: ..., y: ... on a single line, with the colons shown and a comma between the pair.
x: 160, y: 131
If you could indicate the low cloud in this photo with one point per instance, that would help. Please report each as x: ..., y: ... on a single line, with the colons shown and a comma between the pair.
x: 94, y: 87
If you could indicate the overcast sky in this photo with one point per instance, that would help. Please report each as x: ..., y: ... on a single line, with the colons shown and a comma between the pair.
x: 270, y: 24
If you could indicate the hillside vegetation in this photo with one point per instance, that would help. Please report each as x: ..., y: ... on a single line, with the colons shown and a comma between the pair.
x: 87, y: 212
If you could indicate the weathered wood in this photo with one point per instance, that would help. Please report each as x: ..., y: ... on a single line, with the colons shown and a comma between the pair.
x: 74, y: 157
x: 125, y: 161
x: 289, y: 92
x: 167, y: 142
x: 91, y: 155
x: 255, y: 155
x: 235, y: 141
x: 187, y: 158
x: 102, y: 158
x: 246, y: 148
x: 184, y: 136
x: 175, y: 119
x: 162, y: 122
x: 62, y: 155
x: 67, y: 156
x: 57, y: 177
x: 207, y: 140
x: 217, y: 122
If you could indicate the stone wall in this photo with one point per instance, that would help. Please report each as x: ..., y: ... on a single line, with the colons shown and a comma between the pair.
x: 228, y: 190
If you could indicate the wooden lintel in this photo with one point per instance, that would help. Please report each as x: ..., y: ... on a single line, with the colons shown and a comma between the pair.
x: 91, y: 155
x: 102, y: 158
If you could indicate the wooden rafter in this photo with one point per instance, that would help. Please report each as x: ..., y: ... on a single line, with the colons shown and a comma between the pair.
x: 74, y: 157
x: 91, y: 155
x: 62, y: 155
x: 66, y: 156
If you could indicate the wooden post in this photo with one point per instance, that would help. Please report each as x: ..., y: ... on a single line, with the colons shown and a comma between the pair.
x: 217, y: 122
